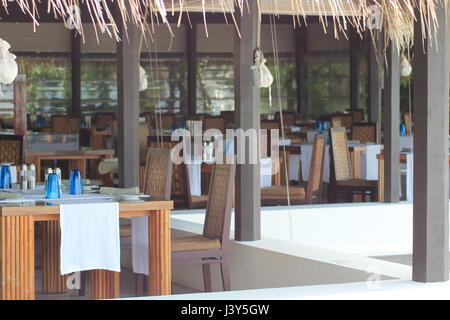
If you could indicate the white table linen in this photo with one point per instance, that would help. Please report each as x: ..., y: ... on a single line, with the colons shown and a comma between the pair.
x: 139, y: 245
x: 90, y: 237
x: 195, y: 172
x: 266, y: 172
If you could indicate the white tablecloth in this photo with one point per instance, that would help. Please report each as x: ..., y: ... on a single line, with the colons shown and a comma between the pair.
x: 369, y: 161
x: 266, y: 172
x: 406, y: 142
x: 195, y: 174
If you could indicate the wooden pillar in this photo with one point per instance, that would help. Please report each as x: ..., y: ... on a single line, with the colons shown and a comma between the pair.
x: 191, y: 46
x: 354, y: 68
x: 391, y: 125
x: 247, y: 116
x: 20, y: 105
x: 75, y: 56
x: 431, y: 127
x: 128, y: 52
x: 301, y: 36
x: 375, y: 79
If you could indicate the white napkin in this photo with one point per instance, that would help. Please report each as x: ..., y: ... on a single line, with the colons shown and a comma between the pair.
x: 266, y: 172
x: 139, y: 245
x: 90, y: 237
x: 369, y: 162
x: 195, y: 183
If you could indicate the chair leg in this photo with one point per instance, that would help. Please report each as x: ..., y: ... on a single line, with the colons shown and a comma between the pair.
x: 225, y: 269
x: 140, y: 284
x: 207, y: 277
x: 82, y: 290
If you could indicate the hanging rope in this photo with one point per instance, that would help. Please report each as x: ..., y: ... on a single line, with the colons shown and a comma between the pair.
x: 280, y: 108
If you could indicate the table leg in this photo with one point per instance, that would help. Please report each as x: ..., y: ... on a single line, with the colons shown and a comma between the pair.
x: 52, y: 280
x: 17, y: 258
x: 105, y: 284
x: 159, y: 281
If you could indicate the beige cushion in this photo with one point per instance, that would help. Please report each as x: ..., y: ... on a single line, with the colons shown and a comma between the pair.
x: 195, y: 243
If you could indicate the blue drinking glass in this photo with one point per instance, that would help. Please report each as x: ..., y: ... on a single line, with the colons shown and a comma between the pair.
x: 76, y: 184
x: 52, y: 190
x: 5, y: 178
x: 402, y: 129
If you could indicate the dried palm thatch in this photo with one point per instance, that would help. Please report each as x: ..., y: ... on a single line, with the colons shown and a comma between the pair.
x: 395, y: 17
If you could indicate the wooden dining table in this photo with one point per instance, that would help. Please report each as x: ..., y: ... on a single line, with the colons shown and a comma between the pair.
x: 17, y: 250
x: 77, y: 159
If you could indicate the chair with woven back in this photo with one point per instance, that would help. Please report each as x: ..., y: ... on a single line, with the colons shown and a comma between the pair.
x: 157, y: 183
x: 357, y: 114
x: 11, y: 148
x: 164, y: 121
x: 212, y: 247
x: 144, y: 132
x: 74, y: 125
x: 342, y: 173
x: 288, y: 118
x: 193, y: 201
x: 104, y: 119
x: 277, y: 195
x: 408, y: 123
x: 228, y: 116
x: 60, y: 123
x: 336, y: 122
x: 365, y: 132
x: 214, y: 123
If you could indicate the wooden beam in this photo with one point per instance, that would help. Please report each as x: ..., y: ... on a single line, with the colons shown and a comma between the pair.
x: 191, y: 46
x: 301, y: 37
x: 247, y: 116
x: 431, y: 128
x: 20, y: 105
x: 128, y: 104
x: 391, y: 125
x: 375, y: 79
x: 75, y: 56
x: 354, y: 68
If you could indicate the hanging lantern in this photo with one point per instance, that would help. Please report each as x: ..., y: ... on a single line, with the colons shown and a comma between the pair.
x: 74, y: 19
x: 8, y: 64
x: 261, y: 74
x: 405, y: 67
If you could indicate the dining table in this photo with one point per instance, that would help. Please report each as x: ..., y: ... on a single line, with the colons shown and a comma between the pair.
x: 17, y: 249
x: 78, y: 159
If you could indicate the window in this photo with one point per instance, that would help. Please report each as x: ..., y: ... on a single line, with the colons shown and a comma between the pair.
x: 48, y: 85
x: 98, y: 83
x: 287, y: 82
x: 167, y: 83
x: 327, y: 83
x: 215, y: 83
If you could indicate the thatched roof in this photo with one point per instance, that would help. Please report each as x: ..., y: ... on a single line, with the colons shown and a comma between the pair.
x: 396, y: 17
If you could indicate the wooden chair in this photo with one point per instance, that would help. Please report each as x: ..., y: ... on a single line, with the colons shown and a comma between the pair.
x: 357, y: 114
x: 60, y: 124
x: 158, y: 173
x: 277, y: 195
x: 336, y: 122
x: 157, y: 183
x: 214, y: 123
x: 288, y: 118
x: 342, y: 175
x: 164, y: 121
x: 365, y: 132
x: 228, y: 116
x: 212, y: 247
x: 11, y: 148
x: 74, y: 125
x: 144, y: 132
x: 408, y: 123
x: 193, y: 202
x: 104, y: 119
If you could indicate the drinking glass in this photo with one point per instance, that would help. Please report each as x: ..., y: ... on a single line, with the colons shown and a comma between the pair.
x: 52, y: 190
x: 76, y: 184
x: 5, y: 178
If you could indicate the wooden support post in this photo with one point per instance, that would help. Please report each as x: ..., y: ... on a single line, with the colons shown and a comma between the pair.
x: 75, y: 55
x: 191, y: 46
x: 128, y: 52
x: 391, y: 125
x: 375, y: 79
x: 301, y: 37
x: 247, y: 116
x: 20, y: 105
x: 354, y: 68
x: 431, y: 127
